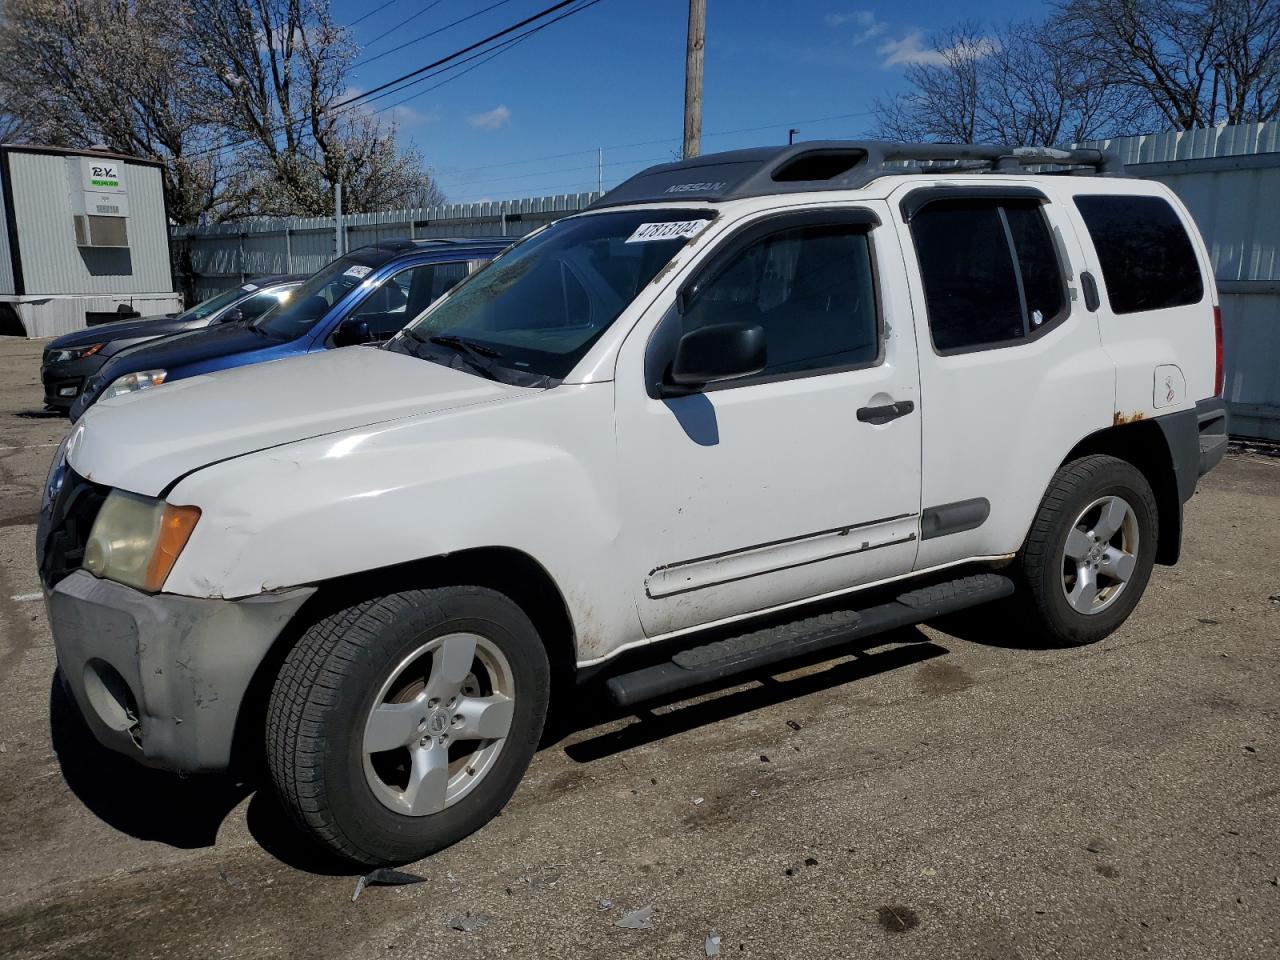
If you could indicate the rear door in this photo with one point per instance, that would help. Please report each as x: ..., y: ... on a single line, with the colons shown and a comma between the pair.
x: 1011, y: 369
x: 1156, y: 296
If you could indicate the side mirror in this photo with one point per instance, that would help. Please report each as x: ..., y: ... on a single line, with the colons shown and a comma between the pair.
x: 352, y: 331
x: 234, y: 315
x: 723, y: 351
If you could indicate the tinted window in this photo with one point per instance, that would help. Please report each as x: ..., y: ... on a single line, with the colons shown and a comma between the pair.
x: 260, y: 303
x: 810, y: 288
x: 406, y: 294
x: 309, y: 302
x: 539, y: 307
x: 1147, y: 259
x: 990, y: 272
x: 215, y: 303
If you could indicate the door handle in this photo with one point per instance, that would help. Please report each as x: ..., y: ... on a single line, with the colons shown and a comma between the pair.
x: 890, y: 411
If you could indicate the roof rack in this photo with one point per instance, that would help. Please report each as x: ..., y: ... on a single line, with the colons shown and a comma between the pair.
x: 840, y: 165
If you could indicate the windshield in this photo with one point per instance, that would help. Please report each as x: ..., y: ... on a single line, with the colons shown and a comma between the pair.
x: 308, y: 302
x: 538, y: 308
x: 206, y: 308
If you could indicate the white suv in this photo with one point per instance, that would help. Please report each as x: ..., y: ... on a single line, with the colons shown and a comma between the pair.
x: 747, y: 406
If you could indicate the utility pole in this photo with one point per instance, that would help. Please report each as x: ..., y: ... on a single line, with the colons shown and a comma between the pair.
x: 693, y: 78
x: 791, y: 135
x: 339, y: 234
x: 600, y: 169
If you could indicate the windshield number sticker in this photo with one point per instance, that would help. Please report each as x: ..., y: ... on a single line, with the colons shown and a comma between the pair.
x: 249, y: 287
x: 359, y: 271
x: 675, y: 230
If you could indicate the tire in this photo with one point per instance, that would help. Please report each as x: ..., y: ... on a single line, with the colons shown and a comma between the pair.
x: 362, y: 805
x: 1070, y: 519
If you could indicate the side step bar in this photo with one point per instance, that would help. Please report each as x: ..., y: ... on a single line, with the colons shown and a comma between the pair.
x: 760, y: 648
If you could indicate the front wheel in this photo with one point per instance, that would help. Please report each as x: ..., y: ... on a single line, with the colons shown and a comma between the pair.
x: 400, y: 725
x: 1090, y: 551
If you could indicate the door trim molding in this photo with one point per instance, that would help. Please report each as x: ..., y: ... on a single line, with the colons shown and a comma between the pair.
x: 778, y: 555
x: 948, y: 518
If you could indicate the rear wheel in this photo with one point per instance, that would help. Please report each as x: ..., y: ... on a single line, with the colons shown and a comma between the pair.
x: 1091, y: 549
x: 400, y: 725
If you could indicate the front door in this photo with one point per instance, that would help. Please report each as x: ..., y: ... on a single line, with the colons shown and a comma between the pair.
x: 801, y: 481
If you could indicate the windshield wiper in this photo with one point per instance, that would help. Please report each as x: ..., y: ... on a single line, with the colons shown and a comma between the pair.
x: 477, y: 355
x: 450, y: 340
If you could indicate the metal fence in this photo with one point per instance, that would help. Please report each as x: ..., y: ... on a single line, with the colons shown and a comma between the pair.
x: 208, y: 259
x: 1229, y: 178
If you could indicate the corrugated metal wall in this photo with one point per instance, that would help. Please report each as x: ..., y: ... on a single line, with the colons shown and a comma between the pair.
x: 6, y: 260
x: 213, y: 258
x: 51, y: 261
x: 1229, y: 178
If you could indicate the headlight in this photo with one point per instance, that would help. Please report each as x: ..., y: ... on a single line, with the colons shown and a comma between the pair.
x: 136, y: 540
x: 75, y: 353
x: 57, y: 473
x: 132, y: 382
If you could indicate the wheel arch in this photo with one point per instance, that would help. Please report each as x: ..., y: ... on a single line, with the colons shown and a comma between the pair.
x: 507, y: 570
x: 1144, y: 444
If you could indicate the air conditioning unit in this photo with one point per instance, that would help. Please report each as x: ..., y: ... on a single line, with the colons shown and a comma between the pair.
x: 94, y: 231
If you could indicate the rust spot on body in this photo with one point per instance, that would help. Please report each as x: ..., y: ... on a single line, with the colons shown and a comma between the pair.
x: 1119, y: 419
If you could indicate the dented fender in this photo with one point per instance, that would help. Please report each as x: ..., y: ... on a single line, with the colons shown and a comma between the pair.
x: 516, y: 474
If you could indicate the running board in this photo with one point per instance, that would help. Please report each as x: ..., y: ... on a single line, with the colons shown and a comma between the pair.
x: 760, y: 648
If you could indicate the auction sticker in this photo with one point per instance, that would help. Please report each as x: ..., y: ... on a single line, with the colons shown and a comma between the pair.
x: 359, y: 271
x: 673, y: 230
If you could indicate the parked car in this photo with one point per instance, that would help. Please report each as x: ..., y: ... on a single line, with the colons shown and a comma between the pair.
x: 748, y: 406
x: 363, y: 297
x: 71, y: 359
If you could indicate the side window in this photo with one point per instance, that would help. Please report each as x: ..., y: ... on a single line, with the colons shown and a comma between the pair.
x: 1147, y: 258
x: 406, y: 294
x: 991, y: 274
x: 810, y: 288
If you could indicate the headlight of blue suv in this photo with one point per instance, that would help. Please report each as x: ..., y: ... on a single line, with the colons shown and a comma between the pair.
x: 133, y: 382
x: 136, y: 540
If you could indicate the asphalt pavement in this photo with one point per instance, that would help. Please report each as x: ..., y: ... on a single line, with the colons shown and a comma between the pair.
x: 957, y: 792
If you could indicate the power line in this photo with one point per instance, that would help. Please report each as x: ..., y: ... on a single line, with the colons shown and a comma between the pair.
x: 393, y: 29
x: 454, y: 56
x: 495, y: 51
x: 430, y: 33
x: 399, y: 83
x: 362, y: 19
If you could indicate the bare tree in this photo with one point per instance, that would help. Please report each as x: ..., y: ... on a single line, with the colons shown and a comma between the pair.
x: 1178, y: 54
x: 278, y: 70
x: 80, y: 72
x: 943, y: 104
x: 1016, y: 85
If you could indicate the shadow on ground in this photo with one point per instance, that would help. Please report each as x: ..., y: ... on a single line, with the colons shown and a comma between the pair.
x: 187, y: 812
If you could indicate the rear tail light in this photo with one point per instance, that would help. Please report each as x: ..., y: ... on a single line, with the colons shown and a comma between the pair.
x: 1218, y: 375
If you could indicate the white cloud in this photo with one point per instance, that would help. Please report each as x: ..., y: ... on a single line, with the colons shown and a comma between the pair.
x: 493, y: 119
x: 867, y: 24
x: 912, y: 50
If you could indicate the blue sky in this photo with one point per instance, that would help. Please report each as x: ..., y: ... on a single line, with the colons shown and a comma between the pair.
x: 529, y: 122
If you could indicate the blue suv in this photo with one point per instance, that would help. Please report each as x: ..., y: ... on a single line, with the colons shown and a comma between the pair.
x: 365, y: 296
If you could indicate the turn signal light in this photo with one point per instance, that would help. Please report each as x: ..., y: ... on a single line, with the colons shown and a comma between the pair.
x: 176, y: 524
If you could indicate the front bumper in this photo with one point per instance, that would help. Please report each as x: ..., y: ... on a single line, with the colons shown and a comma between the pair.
x: 64, y: 380
x: 161, y: 677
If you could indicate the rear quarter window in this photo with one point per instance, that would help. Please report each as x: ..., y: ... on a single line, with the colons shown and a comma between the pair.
x: 1148, y: 262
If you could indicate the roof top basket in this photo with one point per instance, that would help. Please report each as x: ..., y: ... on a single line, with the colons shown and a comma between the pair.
x: 840, y: 165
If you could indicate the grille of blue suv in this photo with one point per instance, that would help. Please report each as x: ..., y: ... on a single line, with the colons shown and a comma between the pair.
x: 64, y: 528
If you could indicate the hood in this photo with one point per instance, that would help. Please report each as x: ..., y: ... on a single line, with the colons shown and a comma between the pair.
x: 118, y: 329
x: 186, y: 347
x: 144, y: 441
